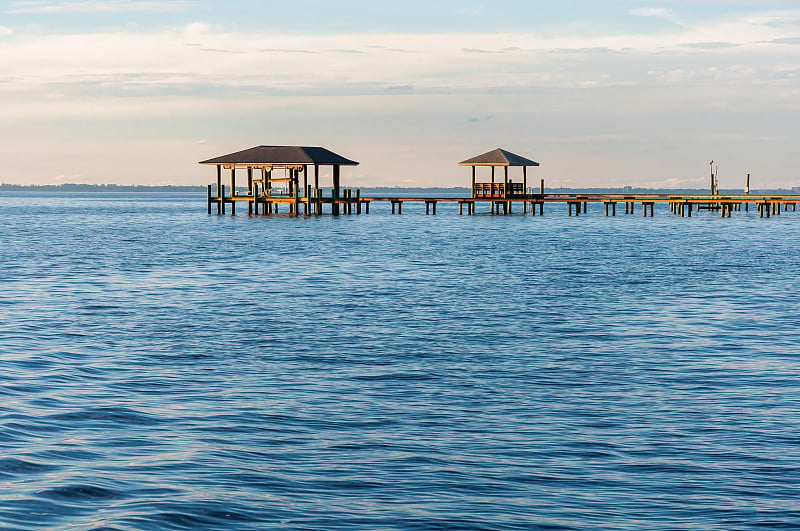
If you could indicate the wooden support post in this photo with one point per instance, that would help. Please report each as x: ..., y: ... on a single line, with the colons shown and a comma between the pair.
x: 219, y: 187
x: 296, y: 192
x: 222, y: 198
x: 505, y: 182
x: 208, y: 198
x: 250, y: 190
x: 473, y: 181
x: 305, y: 181
x: 233, y: 181
x: 349, y: 194
x: 541, y: 187
x: 255, y: 198
x: 335, y: 191
x: 525, y: 189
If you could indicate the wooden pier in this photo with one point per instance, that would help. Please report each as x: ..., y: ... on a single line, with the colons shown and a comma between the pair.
x: 274, y: 186
x: 573, y: 204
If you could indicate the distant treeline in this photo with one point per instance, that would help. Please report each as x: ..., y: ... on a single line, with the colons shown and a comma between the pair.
x: 96, y: 188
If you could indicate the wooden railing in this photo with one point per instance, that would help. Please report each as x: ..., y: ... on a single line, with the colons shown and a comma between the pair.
x: 498, y: 190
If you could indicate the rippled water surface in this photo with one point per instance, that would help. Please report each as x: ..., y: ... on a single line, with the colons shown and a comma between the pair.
x: 165, y: 369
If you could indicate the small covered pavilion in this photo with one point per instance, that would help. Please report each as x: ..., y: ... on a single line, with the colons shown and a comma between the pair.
x: 500, y: 193
x: 273, y: 177
x: 506, y: 189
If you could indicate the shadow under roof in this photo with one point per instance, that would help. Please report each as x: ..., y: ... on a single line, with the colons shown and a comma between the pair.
x: 283, y: 155
x: 499, y: 157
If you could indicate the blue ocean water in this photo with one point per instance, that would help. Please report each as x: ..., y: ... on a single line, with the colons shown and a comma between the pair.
x: 165, y: 369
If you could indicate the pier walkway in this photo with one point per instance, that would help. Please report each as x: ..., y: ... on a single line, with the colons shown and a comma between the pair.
x: 351, y: 202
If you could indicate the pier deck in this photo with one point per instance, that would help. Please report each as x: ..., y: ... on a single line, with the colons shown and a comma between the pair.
x: 351, y: 202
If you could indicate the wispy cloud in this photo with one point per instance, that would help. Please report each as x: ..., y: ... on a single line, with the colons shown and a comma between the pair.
x: 406, y: 89
x: 105, y: 6
x: 785, y: 40
x: 710, y: 45
x: 282, y: 50
x: 478, y: 50
x: 659, y: 12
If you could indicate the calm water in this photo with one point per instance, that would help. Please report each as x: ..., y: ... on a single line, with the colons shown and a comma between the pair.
x: 165, y: 369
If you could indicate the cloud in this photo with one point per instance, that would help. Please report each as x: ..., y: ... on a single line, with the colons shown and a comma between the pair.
x: 281, y: 50
x: 407, y: 88
x: 785, y: 40
x: 221, y: 50
x: 709, y: 45
x: 4, y: 31
x: 477, y: 50
x: 584, y: 51
x: 106, y: 6
x: 658, y: 12
x: 205, y: 61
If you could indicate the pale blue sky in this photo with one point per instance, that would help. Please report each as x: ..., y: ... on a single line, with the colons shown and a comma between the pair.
x: 602, y: 93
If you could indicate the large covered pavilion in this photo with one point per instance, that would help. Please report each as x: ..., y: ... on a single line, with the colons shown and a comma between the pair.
x: 271, y: 189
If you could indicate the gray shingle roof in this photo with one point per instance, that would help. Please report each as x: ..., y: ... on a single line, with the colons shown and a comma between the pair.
x: 498, y: 157
x: 283, y: 155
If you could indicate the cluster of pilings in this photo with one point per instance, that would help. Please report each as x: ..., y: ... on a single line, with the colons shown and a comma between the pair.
x: 767, y: 206
x: 313, y: 202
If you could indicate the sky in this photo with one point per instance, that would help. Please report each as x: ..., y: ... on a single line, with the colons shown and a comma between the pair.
x: 603, y: 93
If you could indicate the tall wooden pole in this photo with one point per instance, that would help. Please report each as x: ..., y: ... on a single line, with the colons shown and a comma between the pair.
x: 747, y: 191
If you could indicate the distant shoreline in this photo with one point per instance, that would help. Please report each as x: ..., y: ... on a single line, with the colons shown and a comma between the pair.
x: 365, y: 190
